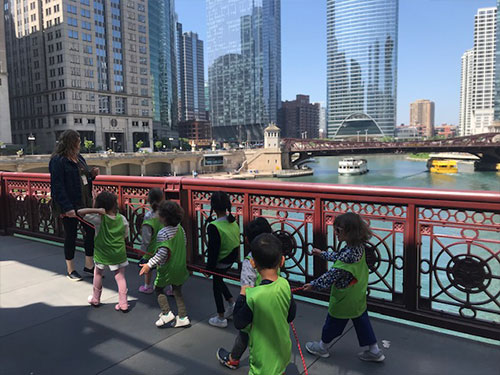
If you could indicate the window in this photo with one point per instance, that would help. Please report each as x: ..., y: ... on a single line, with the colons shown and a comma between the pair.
x: 85, y: 13
x: 91, y: 121
x: 72, y: 21
x: 71, y: 9
x: 73, y: 34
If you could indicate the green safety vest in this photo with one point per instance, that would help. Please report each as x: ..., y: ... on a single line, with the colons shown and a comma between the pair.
x: 270, y: 344
x: 174, y: 271
x: 229, y: 236
x: 155, y: 225
x: 350, y: 302
x: 110, y: 241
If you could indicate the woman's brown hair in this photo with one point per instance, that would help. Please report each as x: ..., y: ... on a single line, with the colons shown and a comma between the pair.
x: 356, y: 231
x: 67, y: 144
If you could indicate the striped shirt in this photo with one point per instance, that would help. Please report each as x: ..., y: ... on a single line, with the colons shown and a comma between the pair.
x: 162, y: 254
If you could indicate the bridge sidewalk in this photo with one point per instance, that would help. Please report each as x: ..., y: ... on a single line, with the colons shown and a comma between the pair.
x: 47, y: 328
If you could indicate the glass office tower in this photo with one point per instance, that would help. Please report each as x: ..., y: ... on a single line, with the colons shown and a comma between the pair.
x: 162, y: 45
x: 362, y: 38
x: 244, y: 66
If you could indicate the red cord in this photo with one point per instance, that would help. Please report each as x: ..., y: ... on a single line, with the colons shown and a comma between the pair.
x: 300, y: 349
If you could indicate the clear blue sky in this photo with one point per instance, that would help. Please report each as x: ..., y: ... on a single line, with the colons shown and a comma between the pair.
x: 433, y: 35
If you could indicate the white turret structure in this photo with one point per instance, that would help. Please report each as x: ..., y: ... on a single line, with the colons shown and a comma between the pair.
x: 272, y: 137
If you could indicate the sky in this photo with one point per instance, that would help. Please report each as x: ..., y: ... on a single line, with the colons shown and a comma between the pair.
x: 433, y: 35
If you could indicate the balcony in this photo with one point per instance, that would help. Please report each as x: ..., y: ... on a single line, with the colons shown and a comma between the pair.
x: 434, y: 280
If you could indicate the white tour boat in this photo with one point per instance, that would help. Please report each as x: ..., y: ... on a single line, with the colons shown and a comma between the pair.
x: 352, y: 166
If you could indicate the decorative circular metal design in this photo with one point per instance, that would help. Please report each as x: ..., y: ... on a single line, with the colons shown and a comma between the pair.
x: 468, y: 273
x: 372, y: 257
x: 288, y: 243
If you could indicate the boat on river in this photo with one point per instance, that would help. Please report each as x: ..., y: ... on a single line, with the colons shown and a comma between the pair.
x: 442, y: 166
x: 352, y: 166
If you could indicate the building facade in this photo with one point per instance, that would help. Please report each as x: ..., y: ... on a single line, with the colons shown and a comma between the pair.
x: 362, y: 39
x: 163, y: 56
x: 197, y: 131
x: 299, y: 118
x: 5, y: 131
x: 244, y: 66
x: 466, y: 77
x: 422, y: 117
x: 79, y: 65
x: 190, y: 76
x: 482, y: 83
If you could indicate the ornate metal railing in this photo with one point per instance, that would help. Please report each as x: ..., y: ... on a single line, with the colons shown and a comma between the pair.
x: 437, y: 258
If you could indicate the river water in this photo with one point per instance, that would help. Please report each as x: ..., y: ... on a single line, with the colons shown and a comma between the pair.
x: 397, y: 170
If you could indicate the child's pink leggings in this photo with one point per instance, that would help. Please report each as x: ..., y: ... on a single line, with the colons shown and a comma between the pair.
x: 120, y: 281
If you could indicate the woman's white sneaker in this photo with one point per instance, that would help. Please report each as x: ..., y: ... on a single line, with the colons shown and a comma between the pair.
x: 218, y: 322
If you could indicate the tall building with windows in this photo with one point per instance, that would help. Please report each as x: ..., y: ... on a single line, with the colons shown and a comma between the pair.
x: 362, y: 39
x: 466, y: 77
x: 496, y: 122
x: 483, y: 82
x: 5, y: 131
x: 244, y: 66
x: 80, y: 65
x: 422, y: 117
x: 162, y: 44
x: 299, y: 118
x: 190, y: 76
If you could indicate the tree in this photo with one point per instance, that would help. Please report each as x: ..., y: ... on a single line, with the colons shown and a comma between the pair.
x: 88, y: 145
x: 184, y: 143
x: 138, y: 145
x: 158, y: 145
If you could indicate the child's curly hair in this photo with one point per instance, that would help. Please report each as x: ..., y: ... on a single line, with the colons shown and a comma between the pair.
x: 155, y: 196
x: 171, y: 212
x: 354, y: 228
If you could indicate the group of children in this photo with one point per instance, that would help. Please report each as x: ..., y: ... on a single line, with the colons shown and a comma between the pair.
x: 265, y: 306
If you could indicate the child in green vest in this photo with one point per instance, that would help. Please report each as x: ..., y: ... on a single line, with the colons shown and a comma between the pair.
x: 248, y: 277
x: 348, y: 280
x: 170, y: 260
x: 266, y: 310
x: 223, y: 251
x: 150, y: 227
x: 111, y: 229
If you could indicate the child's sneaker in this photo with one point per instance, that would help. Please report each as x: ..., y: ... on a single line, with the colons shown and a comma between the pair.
x: 314, y: 348
x: 218, y: 322
x: 165, y: 319
x: 370, y: 357
x: 181, y: 322
x: 229, y: 312
x: 146, y: 289
x: 224, y: 358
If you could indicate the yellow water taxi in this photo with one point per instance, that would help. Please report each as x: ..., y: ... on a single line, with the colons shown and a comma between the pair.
x: 442, y: 166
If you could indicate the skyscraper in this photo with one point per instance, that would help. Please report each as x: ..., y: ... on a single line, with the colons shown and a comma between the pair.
x: 362, y: 39
x: 244, y: 66
x: 483, y: 82
x: 5, y: 132
x: 497, y: 71
x: 422, y: 117
x: 162, y: 50
x: 299, y: 118
x: 79, y: 65
x: 190, y: 76
x: 467, y: 74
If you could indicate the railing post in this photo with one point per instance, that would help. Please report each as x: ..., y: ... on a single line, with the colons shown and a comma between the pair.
x: 3, y: 206
x: 319, y: 237
x: 411, y: 269
x: 186, y: 202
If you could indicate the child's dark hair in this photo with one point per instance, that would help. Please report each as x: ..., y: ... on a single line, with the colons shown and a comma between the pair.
x: 257, y: 226
x: 108, y: 201
x: 220, y: 202
x: 171, y: 212
x: 155, y: 196
x: 355, y: 229
x: 266, y: 251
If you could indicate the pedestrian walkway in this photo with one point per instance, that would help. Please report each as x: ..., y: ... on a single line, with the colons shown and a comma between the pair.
x: 46, y: 327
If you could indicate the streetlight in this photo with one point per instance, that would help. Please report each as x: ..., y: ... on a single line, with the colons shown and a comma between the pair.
x: 32, y: 139
x: 358, y: 134
x: 366, y: 135
x: 112, y: 139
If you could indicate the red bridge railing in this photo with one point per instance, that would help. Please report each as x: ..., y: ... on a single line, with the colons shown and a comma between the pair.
x: 438, y: 252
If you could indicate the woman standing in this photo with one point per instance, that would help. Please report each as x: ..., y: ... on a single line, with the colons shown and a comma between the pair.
x: 71, y: 189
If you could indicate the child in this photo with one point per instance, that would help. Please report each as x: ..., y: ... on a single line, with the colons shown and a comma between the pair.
x: 266, y: 310
x: 223, y: 251
x: 150, y: 227
x: 170, y: 258
x: 348, y: 280
x: 111, y: 229
x: 248, y: 277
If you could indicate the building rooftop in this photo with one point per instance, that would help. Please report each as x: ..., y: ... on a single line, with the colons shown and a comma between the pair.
x: 48, y: 328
